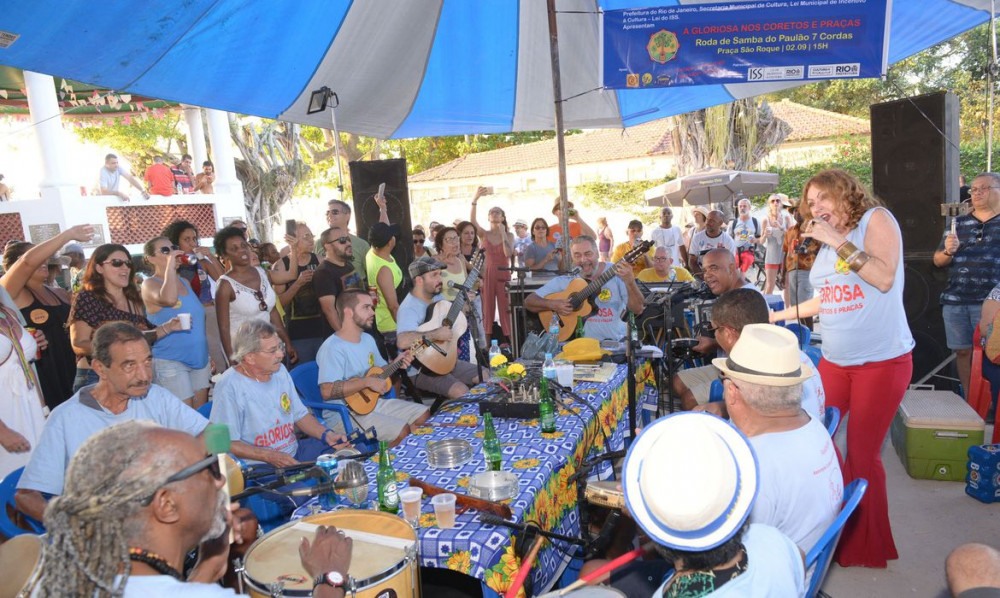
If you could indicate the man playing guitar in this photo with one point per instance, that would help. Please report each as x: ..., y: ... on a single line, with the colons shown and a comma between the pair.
x: 346, y: 357
x: 617, y: 295
x: 426, y: 275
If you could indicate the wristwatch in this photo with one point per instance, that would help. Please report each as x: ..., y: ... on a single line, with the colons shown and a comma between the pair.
x: 333, y: 578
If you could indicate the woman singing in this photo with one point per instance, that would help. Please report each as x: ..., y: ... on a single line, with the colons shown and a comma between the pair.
x: 867, y: 345
x: 498, y: 242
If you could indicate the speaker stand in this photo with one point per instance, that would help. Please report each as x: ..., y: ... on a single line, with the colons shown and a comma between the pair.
x: 938, y: 368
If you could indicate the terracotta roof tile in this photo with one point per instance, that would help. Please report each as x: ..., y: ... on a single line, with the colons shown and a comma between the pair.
x: 649, y: 139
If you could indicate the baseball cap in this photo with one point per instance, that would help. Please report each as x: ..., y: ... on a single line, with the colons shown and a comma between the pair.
x: 72, y: 248
x: 380, y: 233
x: 423, y: 265
x: 520, y: 222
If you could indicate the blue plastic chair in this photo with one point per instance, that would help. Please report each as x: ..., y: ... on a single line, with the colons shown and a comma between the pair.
x: 820, y: 555
x: 802, y: 332
x: 7, y: 527
x: 831, y: 419
x: 306, y: 379
x: 814, y: 353
x: 716, y: 391
x: 206, y: 409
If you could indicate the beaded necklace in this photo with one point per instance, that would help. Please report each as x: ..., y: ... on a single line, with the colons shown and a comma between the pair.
x: 158, y: 563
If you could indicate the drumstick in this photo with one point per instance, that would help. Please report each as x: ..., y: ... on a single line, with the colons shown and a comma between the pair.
x: 526, y: 565
x: 597, y: 574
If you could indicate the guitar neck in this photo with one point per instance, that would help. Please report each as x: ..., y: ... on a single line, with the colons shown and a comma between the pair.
x: 456, y: 306
x: 595, y: 285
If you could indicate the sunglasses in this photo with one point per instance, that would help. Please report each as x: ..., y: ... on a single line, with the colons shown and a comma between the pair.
x: 342, y: 240
x: 979, y: 232
x: 116, y: 263
x: 259, y: 296
x: 211, y: 463
x: 167, y: 249
x: 418, y: 241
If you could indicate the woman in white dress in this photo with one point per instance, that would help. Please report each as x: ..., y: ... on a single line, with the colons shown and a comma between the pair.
x: 21, y: 416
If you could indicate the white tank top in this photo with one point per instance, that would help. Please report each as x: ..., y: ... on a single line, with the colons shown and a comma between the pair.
x: 860, y: 323
x: 246, y: 302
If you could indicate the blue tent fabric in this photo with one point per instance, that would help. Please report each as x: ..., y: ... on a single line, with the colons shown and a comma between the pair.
x: 400, y: 68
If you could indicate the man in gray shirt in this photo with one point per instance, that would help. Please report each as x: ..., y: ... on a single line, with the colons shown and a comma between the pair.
x: 111, y: 176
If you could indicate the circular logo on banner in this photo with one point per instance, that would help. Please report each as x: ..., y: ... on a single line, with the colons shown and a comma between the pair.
x: 39, y: 316
x: 663, y: 46
x: 286, y: 403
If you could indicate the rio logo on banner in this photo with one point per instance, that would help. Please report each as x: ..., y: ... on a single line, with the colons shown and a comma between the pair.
x: 745, y: 42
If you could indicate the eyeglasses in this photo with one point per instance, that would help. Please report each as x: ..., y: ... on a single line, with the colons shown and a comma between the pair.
x: 116, y: 263
x: 166, y: 249
x: 980, y: 229
x: 342, y: 240
x: 660, y: 259
x: 211, y: 463
x: 259, y: 296
x: 279, y: 348
x: 981, y: 189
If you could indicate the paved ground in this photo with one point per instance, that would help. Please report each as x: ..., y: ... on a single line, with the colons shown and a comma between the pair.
x: 928, y: 520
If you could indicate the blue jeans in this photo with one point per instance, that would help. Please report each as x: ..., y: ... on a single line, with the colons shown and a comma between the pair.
x: 84, y: 377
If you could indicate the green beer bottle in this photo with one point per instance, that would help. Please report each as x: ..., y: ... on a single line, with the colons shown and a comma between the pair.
x: 579, y: 328
x: 491, y: 446
x: 388, y: 499
x: 546, y: 408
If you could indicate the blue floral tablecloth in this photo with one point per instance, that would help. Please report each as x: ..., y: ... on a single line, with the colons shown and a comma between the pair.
x: 542, y: 462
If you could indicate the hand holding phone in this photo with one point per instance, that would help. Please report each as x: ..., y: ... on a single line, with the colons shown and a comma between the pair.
x: 291, y: 228
x: 381, y: 191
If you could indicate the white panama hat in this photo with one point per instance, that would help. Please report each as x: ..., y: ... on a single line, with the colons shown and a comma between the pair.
x: 765, y: 354
x: 690, y: 480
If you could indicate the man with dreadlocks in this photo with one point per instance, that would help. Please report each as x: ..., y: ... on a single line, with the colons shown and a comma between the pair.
x: 125, y: 392
x: 137, y: 499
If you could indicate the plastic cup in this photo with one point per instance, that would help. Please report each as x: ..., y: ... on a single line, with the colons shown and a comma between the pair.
x: 185, y: 320
x: 564, y: 374
x: 410, y: 497
x: 444, y: 510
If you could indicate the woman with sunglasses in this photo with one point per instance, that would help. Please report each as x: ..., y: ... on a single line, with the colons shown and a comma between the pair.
x: 446, y: 243
x: 180, y: 361
x: 108, y: 295
x: 867, y: 346
x: 244, y: 292
x: 541, y: 256
x: 775, y: 225
x: 45, y: 309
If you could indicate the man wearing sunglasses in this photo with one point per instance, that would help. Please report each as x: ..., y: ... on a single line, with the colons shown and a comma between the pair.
x: 338, y: 215
x: 335, y: 273
x: 971, y: 252
x: 124, y: 365
x: 160, y: 498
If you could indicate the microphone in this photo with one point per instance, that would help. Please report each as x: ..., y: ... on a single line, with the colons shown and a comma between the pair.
x: 454, y: 285
x: 804, y: 246
x: 321, y: 488
x: 491, y: 519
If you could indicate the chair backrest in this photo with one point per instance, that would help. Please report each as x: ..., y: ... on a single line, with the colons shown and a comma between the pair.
x: 831, y: 419
x: 8, y: 486
x: 802, y: 332
x: 305, y: 376
x: 206, y: 409
x: 821, y: 554
x: 814, y: 353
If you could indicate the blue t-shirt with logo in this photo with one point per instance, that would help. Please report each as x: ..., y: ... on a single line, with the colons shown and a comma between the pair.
x: 604, y: 323
x: 259, y: 413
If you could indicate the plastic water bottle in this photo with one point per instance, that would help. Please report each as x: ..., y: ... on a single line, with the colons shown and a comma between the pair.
x: 554, y: 326
x: 494, y: 351
x: 549, y: 367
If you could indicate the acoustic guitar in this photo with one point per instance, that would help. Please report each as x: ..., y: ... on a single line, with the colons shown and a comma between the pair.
x: 441, y: 359
x: 580, y: 293
x: 363, y: 402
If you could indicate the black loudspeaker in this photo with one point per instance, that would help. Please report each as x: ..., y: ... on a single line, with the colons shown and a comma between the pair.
x: 366, y: 176
x: 921, y: 302
x: 915, y: 165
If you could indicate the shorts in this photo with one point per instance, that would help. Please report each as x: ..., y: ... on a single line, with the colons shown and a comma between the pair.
x: 699, y: 381
x: 388, y: 418
x: 745, y: 258
x: 182, y: 381
x: 464, y: 372
x: 960, y: 323
x: 799, y: 287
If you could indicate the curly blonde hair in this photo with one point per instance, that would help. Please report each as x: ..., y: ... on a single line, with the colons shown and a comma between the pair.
x: 848, y: 193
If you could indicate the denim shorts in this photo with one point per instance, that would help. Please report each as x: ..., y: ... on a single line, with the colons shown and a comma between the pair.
x: 182, y: 381
x: 960, y: 323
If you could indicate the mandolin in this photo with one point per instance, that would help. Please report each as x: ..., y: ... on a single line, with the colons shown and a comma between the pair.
x: 441, y: 360
x: 363, y: 402
x: 580, y: 293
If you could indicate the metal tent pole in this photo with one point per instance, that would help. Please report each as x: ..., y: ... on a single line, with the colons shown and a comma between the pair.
x: 560, y: 139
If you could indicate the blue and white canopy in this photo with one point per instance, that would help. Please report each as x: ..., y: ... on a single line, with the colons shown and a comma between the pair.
x: 400, y: 68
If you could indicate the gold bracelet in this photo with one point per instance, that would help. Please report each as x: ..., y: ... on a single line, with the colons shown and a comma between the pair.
x: 858, y: 261
x: 852, y: 257
x: 839, y: 247
x: 846, y: 250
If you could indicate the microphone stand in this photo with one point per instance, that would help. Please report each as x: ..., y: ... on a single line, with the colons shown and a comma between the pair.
x: 630, y: 373
x: 473, y: 318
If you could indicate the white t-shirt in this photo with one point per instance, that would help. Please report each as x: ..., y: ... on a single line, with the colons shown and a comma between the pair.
x: 670, y: 238
x: 154, y: 586
x: 801, y: 486
x: 774, y: 567
x: 813, y: 396
x: 259, y: 413
x: 702, y: 243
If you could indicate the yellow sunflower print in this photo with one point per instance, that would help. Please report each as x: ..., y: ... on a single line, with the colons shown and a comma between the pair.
x: 461, y: 561
x: 526, y: 463
x: 604, y: 295
x: 468, y: 420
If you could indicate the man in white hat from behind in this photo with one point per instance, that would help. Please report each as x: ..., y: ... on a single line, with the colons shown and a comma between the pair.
x: 801, y: 485
x: 690, y: 482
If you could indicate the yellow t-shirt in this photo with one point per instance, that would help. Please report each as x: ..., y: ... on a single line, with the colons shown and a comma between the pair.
x: 640, y: 264
x: 650, y: 275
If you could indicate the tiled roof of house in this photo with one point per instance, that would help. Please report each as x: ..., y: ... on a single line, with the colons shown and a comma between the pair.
x: 649, y: 139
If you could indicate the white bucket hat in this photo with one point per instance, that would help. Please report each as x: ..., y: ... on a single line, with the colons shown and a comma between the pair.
x: 690, y: 480
x: 765, y: 354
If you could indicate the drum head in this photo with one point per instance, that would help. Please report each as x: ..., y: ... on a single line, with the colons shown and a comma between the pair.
x: 19, y: 559
x: 275, y: 557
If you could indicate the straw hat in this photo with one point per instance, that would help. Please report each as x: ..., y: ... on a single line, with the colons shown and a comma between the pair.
x: 765, y: 354
x: 690, y: 480
x: 703, y: 210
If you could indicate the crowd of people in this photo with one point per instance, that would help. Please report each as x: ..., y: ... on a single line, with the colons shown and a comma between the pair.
x: 83, y: 364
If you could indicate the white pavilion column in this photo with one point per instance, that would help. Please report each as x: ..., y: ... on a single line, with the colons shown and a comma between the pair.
x: 46, y: 117
x: 195, y: 136
x: 222, y: 153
